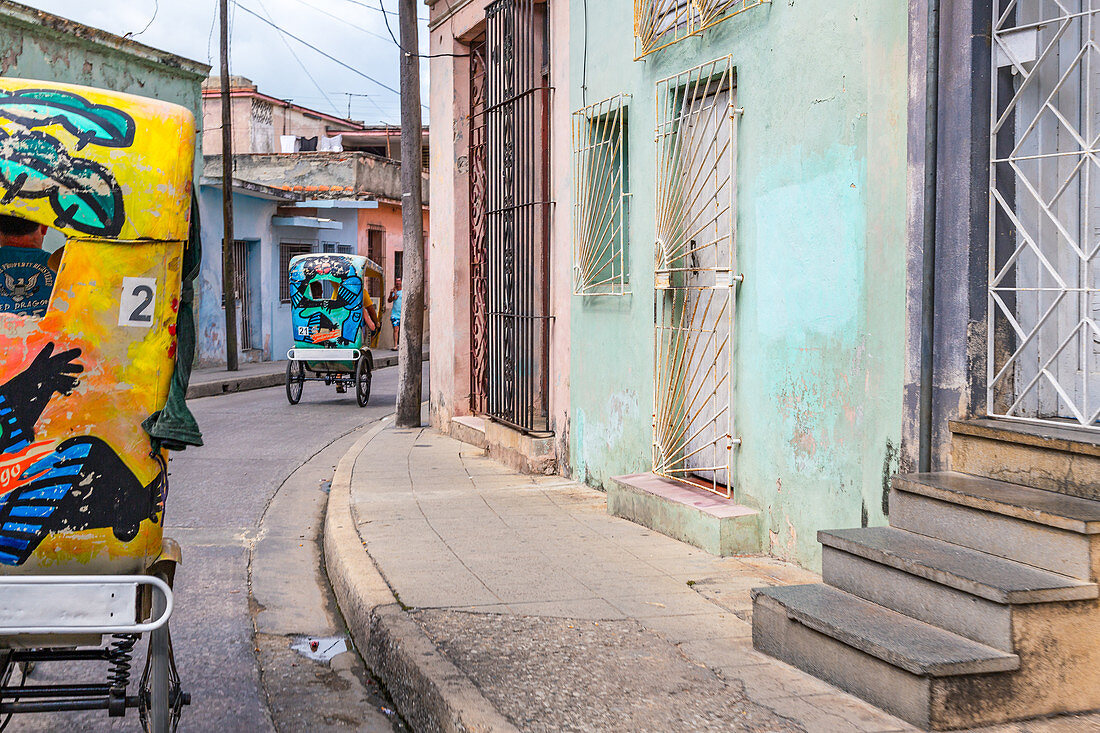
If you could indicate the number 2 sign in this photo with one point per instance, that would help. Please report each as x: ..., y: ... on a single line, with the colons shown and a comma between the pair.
x: 138, y: 302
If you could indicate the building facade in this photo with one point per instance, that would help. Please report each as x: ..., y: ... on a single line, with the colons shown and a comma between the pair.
x: 342, y: 197
x: 500, y: 237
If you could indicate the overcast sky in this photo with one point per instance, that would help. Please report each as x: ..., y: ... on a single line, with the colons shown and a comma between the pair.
x: 352, y: 31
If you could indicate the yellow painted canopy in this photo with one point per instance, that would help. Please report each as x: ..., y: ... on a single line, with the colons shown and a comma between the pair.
x: 94, y: 163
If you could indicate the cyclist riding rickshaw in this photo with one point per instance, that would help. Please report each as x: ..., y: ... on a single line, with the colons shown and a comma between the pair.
x: 92, y: 387
x: 330, y: 310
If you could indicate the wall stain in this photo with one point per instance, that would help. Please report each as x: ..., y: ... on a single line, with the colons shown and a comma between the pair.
x: 889, y: 467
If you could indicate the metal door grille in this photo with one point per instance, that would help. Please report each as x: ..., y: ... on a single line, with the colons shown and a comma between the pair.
x: 660, y: 23
x: 242, y: 291
x: 600, y: 194
x: 695, y: 277
x: 479, y: 289
x: 518, y: 212
x: 1043, y: 360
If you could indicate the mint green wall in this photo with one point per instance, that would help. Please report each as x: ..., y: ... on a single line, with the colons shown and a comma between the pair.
x: 821, y: 241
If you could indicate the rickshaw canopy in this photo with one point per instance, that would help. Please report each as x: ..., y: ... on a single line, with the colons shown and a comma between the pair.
x: 81, y: 160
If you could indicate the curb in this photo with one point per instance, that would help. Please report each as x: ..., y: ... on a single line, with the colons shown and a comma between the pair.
x: 428, y: 689
x: 231, y: 384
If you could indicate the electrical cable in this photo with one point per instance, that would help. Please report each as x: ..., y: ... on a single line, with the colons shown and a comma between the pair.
x: 156, y: 9
x: 329, y: 56
x: 210, y: 38
x: 342, y: 20
x: 362, y: 4
x: 302, y: 65
x: 386, y: 17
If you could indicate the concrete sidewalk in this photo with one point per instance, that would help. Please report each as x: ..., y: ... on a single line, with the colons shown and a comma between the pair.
x: 488, y: 600
x: 210, y: 381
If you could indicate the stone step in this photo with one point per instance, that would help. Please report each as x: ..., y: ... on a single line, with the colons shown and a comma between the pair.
x: 1032, y: 526
x: 924, y: 675
x: 958, y: 589
x: 902, y: 642
x: 1052, y: 457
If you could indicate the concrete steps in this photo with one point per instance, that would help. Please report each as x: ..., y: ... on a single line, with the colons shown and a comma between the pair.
x: 978, y: 605
x: 1039, y: 456
x: 901, y: 665
x: 1032, y: 526
x: 964, y: 591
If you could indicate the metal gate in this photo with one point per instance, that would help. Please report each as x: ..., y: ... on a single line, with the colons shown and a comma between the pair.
x: 518, y: 212
x: 242, y: 292
x: 695, y: 277
x: 1044, y: 340
x: 479, y: 287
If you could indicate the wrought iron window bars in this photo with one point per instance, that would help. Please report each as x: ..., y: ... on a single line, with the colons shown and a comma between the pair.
x: 660, y: 23
x: 695, y: 276
x: 600, y: 193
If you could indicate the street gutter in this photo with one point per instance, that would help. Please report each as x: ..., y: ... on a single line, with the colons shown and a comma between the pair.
x: 430, y: 692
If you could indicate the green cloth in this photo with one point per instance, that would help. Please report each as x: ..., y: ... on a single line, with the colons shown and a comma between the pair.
x: 174, y: 427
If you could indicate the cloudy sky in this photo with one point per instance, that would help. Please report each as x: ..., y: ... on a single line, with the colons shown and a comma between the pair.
x: 352, y: 31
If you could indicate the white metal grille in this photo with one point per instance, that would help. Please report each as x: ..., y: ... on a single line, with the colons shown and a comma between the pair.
x: 660, y: 23
x: 695, y: 276
x: 1043, y: 355
x: 600, y: 194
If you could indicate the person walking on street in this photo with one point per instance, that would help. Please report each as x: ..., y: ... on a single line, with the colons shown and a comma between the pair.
x: 395, y: 312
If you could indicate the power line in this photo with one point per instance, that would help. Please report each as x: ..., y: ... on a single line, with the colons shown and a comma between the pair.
x: 342, y: 20
x: 385, y: 17
x: 304, y: 69
x: 156, y: 9
x: 362, y: 4
x: 328, y: 56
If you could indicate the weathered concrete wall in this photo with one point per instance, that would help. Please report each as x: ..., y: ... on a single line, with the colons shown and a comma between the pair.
x: 319, y: 175
x: 820, y: 221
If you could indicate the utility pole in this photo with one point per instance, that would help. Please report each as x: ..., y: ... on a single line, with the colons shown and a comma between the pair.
x: 410, y: 360
x: 229, y: 297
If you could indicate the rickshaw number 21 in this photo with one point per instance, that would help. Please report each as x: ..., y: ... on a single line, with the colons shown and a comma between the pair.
x: 138, y: 301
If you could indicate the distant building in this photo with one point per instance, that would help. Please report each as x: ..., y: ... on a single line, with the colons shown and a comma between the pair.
x: 343, y: 181
x: 265, y: 124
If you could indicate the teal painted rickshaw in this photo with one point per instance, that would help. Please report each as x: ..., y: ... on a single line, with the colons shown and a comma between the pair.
x: 328, y: 300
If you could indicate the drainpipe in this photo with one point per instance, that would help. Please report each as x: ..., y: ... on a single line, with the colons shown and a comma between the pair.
x: 928, y: 270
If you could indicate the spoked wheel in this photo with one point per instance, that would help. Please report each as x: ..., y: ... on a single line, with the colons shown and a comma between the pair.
x: 162, y: 698
x: 362, y: 381
x: 295, y: 380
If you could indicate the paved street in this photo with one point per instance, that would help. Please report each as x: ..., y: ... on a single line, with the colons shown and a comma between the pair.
x: 246, y: 508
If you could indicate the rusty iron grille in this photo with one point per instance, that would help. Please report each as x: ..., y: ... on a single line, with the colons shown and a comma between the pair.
x: 479, y: 288
x: 695, y: 278
x: 660, y: 23
x: 600, y: 194
x: 1044, y: 270
x: 518, y: 212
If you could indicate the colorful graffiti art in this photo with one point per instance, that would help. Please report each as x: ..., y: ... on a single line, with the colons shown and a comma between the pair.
x: 81, y: 488
x: 326, y: 296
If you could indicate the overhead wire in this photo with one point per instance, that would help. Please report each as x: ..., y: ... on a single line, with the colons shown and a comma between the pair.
x: 342, y: 20
x: 327, y: 55
x: 302, y: 65
x: 156, y: 9
x: 397, y: 43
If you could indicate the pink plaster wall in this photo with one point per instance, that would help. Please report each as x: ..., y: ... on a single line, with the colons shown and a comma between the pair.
x: 388, y: 217
x: 450, y: 276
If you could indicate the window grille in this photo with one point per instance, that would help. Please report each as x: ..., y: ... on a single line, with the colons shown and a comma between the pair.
x: 1043, y: 353
x: 660, y: 23
x: 287, y: 251
x: 600, y: 191
x: 337, y: 248
x: 695, y: 276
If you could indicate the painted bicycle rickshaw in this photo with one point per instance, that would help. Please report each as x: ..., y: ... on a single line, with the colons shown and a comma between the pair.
x: 92, y: 396
x: 328, y: 300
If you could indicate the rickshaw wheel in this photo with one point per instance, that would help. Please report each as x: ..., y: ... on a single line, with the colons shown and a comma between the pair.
x: 295, y: 381
x: 161, y: 696
x: 362, y: 381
